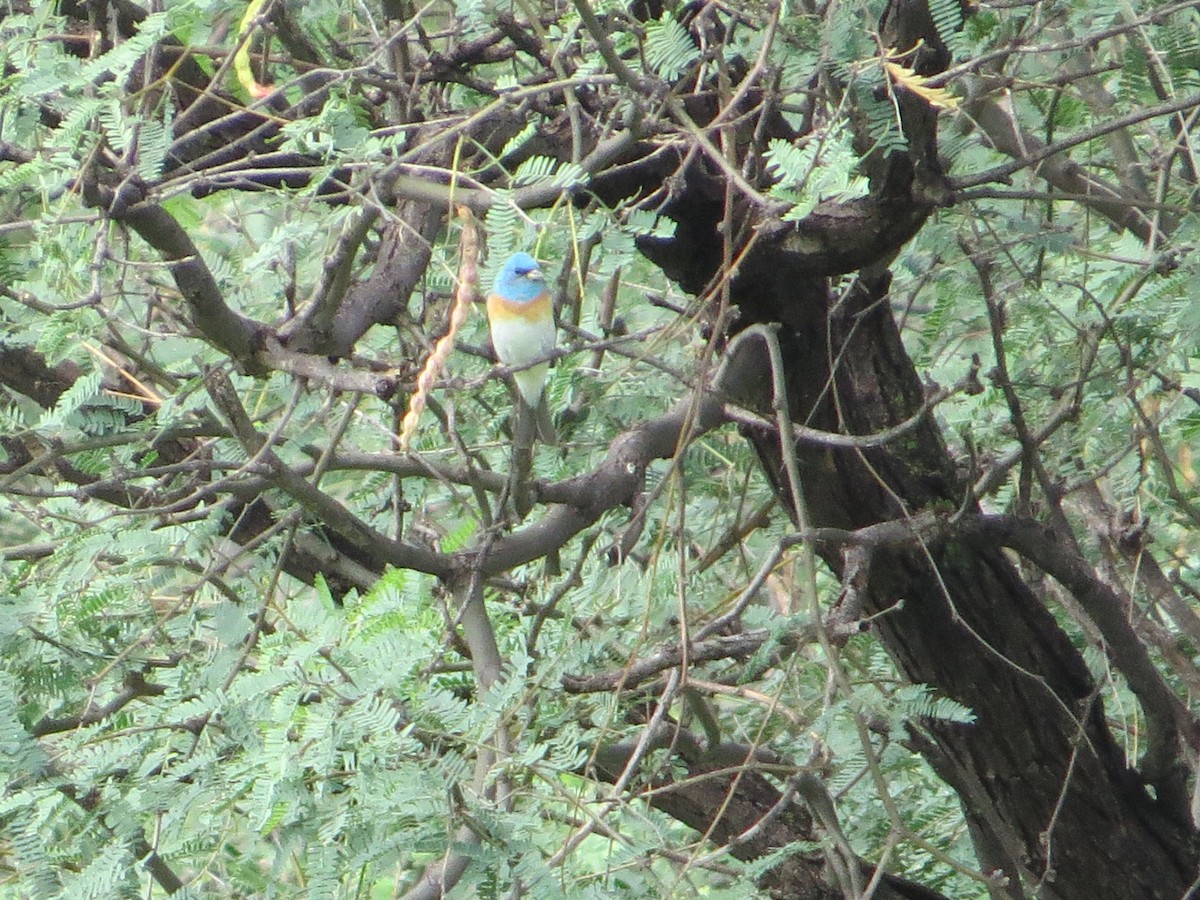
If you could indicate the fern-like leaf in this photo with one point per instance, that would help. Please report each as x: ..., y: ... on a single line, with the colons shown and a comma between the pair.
x: 38, y: 879
x: 535, y: 170
x: 121, y: 59
x: 669, y: 48
x: 154, y: 138
x: 518, y: 141
x: 948, y: 20
x: 883, y: 124
x: 84, y: 389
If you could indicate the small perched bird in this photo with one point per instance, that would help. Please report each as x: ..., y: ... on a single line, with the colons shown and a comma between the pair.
x: 521, y: 317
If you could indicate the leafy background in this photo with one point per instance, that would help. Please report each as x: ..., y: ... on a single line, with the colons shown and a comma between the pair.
x: 165, y: 687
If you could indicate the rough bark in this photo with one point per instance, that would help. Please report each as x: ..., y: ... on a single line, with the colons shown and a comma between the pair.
x: 1043, y: 784
x: 1045, y: 789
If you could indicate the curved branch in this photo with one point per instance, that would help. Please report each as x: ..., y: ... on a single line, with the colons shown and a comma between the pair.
x: 221, y: 325
x: 722, y: 797
x: 1168, y: 718
x: 383, y: 297
x: 1001, y: 172
x: 329, y: 511
x: 615, y: 482
x: 135, y: 686
x: 735, y: 646
x: 1001, y: 128
x: 26, y: 371
x: 488, y: 666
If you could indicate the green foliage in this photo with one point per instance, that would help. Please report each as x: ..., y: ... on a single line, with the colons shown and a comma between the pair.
x: 118, y: 61
x: 669, y: 48
x: 83, y: 390
x: 883, y: 123
x: 318, y: 729
x: 844, y: 43
x: 154, y: 139
x: 543, y: 170
x: 948, y: 20
x: 821, y: 170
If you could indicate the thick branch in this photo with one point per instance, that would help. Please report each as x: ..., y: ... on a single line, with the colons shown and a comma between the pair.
x: 1031, y: 156
x: 736, y: 646
x: 383, y: 297
x: 221, y: 325
x: 26, y: 371
x: 225, y: 328
x: 615, y: 482
x: 1006, y: 135
x: 734, y: 807
x: 135, y: 686
x: 1168, y: 718
x: 333, y: 514
x: 158, y: 868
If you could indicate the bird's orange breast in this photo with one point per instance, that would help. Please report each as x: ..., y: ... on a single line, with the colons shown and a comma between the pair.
x: 537, y: 310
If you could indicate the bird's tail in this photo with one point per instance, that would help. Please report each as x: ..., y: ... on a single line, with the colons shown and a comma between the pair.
x: 545, y: 425
x: 530, y: 424
x: 521, y: 467
x: 531, y: 388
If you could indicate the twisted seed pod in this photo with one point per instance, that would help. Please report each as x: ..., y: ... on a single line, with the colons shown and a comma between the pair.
x: 468, y: 281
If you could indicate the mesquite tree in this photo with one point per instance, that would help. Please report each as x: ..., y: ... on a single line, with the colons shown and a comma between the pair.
x: 866, y: 565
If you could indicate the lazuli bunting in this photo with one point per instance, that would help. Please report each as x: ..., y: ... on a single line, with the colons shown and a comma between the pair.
x: 521, y: 317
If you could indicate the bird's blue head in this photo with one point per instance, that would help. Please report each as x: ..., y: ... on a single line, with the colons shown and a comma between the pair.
x: 520, y: 281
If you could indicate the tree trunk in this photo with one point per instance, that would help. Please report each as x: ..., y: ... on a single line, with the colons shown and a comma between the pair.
x: 1044, y: 787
